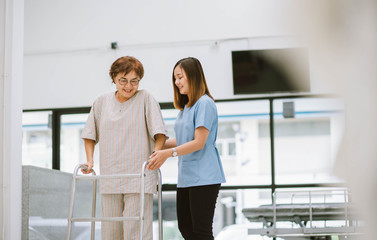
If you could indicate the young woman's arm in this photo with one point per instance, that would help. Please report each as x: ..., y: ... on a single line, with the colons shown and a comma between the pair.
x: 159, y: 157
x: 170, y: 143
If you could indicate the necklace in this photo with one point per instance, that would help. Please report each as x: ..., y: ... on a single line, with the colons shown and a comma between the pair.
x: 120, y: 103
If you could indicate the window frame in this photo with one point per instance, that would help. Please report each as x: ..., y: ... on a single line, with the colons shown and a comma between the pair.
x: 56, y: 128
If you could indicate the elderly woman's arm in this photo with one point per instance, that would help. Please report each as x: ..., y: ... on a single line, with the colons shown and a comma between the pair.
x: 159, y: 142
x: 89, y: 150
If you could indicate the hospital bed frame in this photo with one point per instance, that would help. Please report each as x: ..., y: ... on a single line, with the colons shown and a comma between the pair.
x: 94, y: 219
x: 305, y: 214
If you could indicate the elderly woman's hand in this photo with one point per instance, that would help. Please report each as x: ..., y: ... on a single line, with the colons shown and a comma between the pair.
x: 158, y: 158
x: 88, y: 169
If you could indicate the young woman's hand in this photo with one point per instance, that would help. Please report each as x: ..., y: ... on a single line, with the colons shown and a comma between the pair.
x: 158, y: 158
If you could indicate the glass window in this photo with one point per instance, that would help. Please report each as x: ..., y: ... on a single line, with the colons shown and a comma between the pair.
x: 219, y: 147
x: 306, y: 140
x: 232, y: 220
x: 169, y: 169
x: 37, y: 139
x: 72, y: 149
x: 245, y: 155
x: 232, y: 149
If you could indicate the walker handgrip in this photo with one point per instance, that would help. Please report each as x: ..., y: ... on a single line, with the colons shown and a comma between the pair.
x: 84, y: 167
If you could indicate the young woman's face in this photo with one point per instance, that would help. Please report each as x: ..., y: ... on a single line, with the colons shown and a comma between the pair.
x: 181, y: 80
x: 127, y: 85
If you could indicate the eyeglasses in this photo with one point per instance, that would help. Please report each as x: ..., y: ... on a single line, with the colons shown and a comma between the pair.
x: 133, y: 82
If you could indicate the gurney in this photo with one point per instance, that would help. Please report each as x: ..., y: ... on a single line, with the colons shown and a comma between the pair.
x: 306, y: 215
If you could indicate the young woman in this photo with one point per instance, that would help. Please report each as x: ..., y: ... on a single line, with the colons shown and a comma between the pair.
x: 200, y: 171
x: 128, y: 126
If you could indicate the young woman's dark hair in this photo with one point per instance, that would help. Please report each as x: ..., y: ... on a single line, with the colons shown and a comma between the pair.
x: 196, y: 80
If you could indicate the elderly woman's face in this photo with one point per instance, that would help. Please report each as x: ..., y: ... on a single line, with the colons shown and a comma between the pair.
x: 127, y: 85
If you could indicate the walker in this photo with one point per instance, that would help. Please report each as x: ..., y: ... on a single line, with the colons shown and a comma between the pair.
x: 93, y: 219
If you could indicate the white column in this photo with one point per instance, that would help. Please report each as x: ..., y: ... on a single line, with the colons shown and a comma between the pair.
x: 11, y: 69
x: 2, y: 49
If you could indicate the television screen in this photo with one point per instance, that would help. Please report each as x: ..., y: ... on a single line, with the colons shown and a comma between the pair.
x: 270, y: 71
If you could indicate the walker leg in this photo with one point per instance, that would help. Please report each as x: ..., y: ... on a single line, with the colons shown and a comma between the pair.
x: 70, y: 213
x: 160, y: 235
x: 142, y: 200
x: 94, y: 198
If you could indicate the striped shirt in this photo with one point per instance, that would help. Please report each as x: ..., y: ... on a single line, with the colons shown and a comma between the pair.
x: 125, y: 133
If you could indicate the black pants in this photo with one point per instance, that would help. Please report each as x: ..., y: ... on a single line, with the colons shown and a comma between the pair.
x: 195, y: 210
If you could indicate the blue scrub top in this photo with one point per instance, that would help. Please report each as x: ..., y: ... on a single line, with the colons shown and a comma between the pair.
x: 202, y: 167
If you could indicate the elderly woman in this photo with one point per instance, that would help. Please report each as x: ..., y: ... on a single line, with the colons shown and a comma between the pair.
x: 128, y: 126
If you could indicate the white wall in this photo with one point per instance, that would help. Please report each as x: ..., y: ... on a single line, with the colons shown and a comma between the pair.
x: 68, y: 55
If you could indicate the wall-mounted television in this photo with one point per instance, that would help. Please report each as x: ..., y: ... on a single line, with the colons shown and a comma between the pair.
x: 270, y: 71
